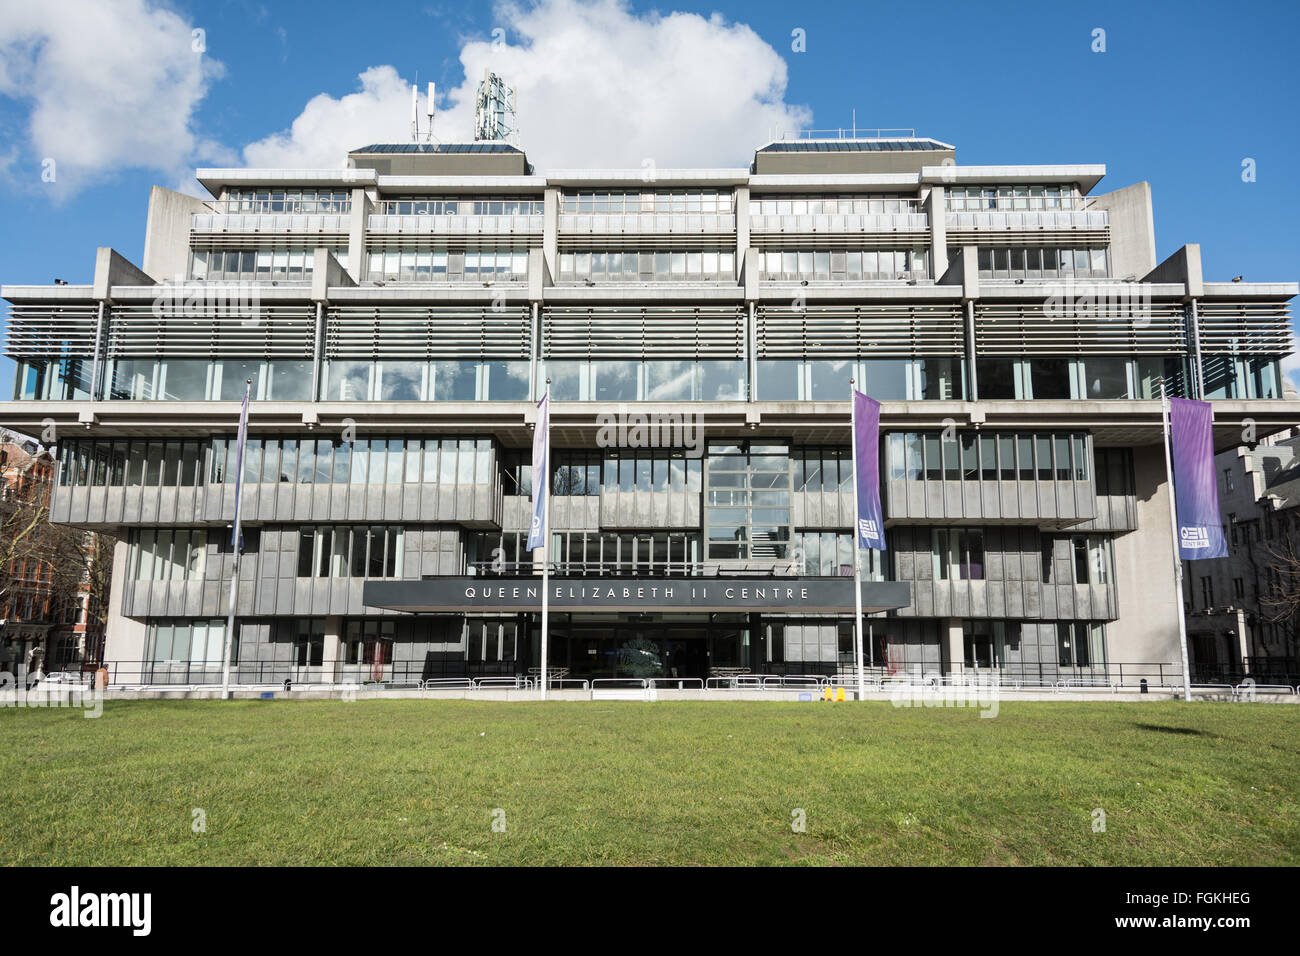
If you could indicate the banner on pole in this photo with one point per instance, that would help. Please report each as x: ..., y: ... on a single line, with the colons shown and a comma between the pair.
x: 866, y: 472
x: 240, y: 441
x: 541, y: 473
x: 1196, y: 492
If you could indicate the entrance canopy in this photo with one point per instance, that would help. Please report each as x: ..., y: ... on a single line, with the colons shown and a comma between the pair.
x: 635, y: 595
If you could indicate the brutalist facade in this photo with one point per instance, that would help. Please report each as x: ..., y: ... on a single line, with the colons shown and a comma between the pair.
x: 399, y: 317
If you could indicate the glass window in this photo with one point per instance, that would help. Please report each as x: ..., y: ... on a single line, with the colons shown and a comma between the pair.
x: 348, y: 381
x: 185, y: 380
x: 455, y: 381
x: 401, y: 381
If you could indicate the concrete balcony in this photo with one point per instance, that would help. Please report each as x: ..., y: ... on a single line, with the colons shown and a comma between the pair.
x: 647, y: 223
x: 840, y: 224
x: 431, y: 225
x: 275, y: 224
x: 995, y: 220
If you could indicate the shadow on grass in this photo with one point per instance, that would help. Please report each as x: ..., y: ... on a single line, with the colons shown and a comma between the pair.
x: 1187, y: 731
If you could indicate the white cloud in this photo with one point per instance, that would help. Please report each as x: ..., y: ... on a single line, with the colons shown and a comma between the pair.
x: 380, y: 112
x: 598, y: 85
x: 111, y: 84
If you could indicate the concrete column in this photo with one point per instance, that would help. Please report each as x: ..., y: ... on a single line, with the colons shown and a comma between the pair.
x: 124, y: 637
x: 357, y: 234
x: 333, y: 649
x: 551, y: 230
x: 954, y: 646
x: 742, y: 223
x: 934, y: 208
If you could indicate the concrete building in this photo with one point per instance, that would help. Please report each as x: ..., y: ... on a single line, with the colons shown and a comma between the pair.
x: 398, y: 318
x: 1236, y: 626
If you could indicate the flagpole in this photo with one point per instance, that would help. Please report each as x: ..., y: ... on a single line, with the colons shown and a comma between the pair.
x: 858, y: 654
x: 546, y: 543
x: 236, y: 542
x: 1173, y: 537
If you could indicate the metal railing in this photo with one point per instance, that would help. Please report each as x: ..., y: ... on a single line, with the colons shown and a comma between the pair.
x: 443, y: 207
x: 280, y: 207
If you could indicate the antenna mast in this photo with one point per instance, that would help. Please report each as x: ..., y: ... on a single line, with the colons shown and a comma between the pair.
x: 495, y: 117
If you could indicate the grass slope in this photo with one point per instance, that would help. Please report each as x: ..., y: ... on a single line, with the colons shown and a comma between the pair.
x: 416, y: 782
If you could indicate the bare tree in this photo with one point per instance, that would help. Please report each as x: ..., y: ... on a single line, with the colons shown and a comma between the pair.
x: 1280, y: 602
x: 47, y: 570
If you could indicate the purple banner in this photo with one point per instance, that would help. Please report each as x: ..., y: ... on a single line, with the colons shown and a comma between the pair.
x: 1196, y: 491
x: 541, y: 472
x: 866, y: 471
x: 236, y: 538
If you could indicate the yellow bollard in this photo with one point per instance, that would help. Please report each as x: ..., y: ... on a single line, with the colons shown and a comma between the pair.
x: 827, y: 695
x: 839, y: 694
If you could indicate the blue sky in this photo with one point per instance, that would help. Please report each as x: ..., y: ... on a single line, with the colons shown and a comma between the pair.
x: 1183, y: 93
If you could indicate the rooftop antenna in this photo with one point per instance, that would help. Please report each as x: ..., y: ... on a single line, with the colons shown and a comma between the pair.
x: 495, y: 119
x: 429, y: 110
x: 415, y: 113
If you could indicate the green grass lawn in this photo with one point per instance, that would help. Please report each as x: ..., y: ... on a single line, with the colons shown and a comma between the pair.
x: 417, y: 782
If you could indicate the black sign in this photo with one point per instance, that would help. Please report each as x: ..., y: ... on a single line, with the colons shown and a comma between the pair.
x: 512, y: 595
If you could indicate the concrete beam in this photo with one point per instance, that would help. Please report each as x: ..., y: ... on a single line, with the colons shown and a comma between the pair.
x: 965, y: 272
x: 112, y: 268
x: 326, y: 274
x: 1184, y: 268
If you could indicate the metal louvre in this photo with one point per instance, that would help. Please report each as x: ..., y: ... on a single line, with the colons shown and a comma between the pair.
x: 635, y: 242
x: 1254, y: 327
x: 253, y: 241
x: 270, y: 331
x: 427, y: 332
x: 899, y: 239
x: 643, y: 332
x: 415, y: 242
x: 850, y: 331
x: 1085, y: 328
x: 51, y: 331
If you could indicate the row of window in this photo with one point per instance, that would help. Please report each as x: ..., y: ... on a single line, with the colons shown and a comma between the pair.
x: 1045, y: 262
x: 351, y: 380
x: 833, y: 205
x: 827, y: 380
x: 845, y: 265
x: 469, y: 265
x: 1116, y: 377
x: 168, y: 555
x: 288, y: 201
x: 987, y: 456
x: 376, y: 461
x: 958, y: 555
x: 258, y: 265
x: 343, y: 551
x: 137, y: 463
x: 647, y: 266
x: 462, y: 206
x: 197, y: 380
x: 1099, y: 377
x: 1010, y: 198
x: 1078, y: 643
x: 660, y: 201
x: 720, y: 380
